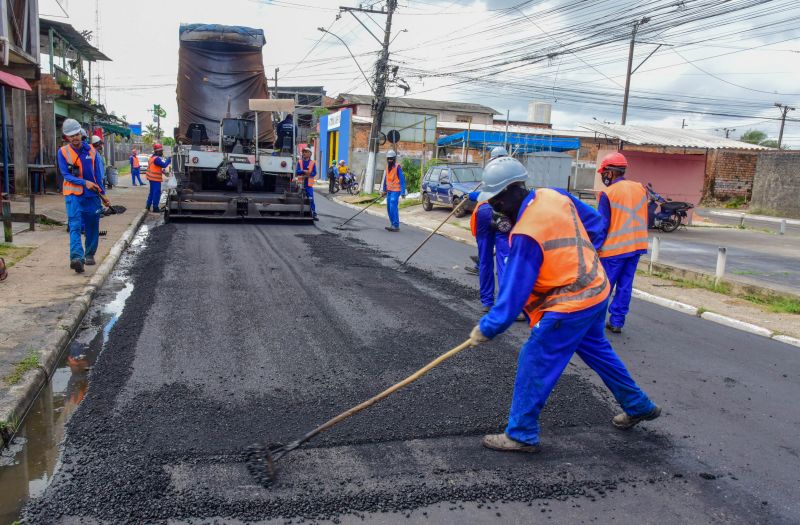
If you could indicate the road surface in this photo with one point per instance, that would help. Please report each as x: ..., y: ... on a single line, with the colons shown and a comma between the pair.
x: 732, y: 218
x: 235, y: 334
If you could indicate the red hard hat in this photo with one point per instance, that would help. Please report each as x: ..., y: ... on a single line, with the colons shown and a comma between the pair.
x: 158, y: 145
x: 615, y: 159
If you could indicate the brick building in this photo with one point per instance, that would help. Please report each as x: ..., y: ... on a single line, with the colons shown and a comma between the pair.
x: 683, y: 165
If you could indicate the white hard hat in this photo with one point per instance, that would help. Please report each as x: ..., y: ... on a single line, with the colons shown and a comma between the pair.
x: 498, y: 151
x: 498, y: 174
x: 71, y: 127
x: 96, y: 139
x: 391, y: 154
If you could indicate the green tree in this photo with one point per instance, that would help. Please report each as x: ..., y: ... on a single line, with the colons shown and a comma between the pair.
x: 319, y: 112
x: 151, y: 134
x: 168, y: 141
x: 753, y: 136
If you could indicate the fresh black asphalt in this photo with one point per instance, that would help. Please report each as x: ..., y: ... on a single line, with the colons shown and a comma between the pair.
x: 242, y: 333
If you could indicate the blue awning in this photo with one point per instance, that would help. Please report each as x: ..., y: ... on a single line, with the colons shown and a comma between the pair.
x: 518, y: 142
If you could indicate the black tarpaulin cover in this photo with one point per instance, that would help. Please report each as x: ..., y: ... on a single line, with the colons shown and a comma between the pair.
x: 217, y: 64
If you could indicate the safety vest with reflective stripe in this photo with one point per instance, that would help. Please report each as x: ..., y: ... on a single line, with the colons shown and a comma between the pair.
x: 571, y: 277
x: 473, y: 221
x: 73, y: 159
x: 627, y: 230
x: 392, y: 179
x: 134, y: 162
x: 307, y: 171
x: 155, y: 173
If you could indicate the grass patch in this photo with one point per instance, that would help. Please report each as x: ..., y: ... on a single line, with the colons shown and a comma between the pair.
x: 124, y: 170
x: 29, y: 363
x: 736, y: 203
x: 405, y: 203
x: 13, y: 254
x: 777, y: 304
x: 701, y: 310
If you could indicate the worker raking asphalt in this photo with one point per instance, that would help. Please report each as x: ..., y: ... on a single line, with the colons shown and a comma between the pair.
x: 236, y: 334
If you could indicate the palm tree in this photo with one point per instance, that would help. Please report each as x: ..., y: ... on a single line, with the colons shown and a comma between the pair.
x: 151, y: 134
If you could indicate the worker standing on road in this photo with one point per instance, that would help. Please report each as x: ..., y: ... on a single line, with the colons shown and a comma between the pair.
x: 623, y: 207
x: 554, y: 275
x: 502, y: 240
x: 135, y: 168
x: 97, y: 144
x: 332, y: 175
x: 79, y: 166
x: 492, y: 239
x: 307, y: 172
x: 155, y: 175
x: 393, y: 188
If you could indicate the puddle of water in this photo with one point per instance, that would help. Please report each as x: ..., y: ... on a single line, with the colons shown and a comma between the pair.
x: 28, y: 464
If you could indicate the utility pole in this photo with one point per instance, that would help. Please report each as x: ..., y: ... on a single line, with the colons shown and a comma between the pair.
x: 379, y: 92
x: 683, y: 124
x: 784, y: 110
x: 636, y: 25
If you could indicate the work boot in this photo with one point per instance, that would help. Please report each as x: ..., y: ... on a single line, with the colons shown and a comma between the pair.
x: 475, y: 259
x: 392, y: 229
x: 503, y: 443
x: 520, y: 318
x: 613, y: 329
x: 624, y: 421
x: 471, y: 269
x: 77, y: 265
x: 89, y: 260
x: 314, y: 216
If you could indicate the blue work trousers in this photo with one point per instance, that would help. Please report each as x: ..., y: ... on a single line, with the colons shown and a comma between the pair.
x: 393, y: 207
x: 154, y: 196
x: 545, y: 355
x: 492, y: 253
x: 310, y: 193
x: 621, y: 272
x: 83, y: 213
x: 135, y: 176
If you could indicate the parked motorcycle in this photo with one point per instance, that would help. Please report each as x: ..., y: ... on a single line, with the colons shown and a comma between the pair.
x: 671, y: 213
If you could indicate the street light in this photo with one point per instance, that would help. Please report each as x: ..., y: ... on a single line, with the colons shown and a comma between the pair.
x: 351, y: 54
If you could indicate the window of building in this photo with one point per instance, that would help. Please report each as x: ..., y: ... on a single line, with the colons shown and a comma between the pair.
x: 463, y: 118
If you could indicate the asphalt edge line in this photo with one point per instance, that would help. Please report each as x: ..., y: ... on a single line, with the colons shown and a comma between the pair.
x: 678, y: 306
x: 25, y: 392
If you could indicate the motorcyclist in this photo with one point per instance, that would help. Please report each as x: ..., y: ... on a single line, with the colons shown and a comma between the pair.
x: 342, y: 173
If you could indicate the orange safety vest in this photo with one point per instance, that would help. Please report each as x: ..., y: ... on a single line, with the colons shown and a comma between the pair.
x: 135, y: 161
x: 307, y: 171
x: 392, y: 180
x: 73, y: 159
x: 473, y: 221
x: 627, y: 231
x: 155, y: 173
x: 571, y: 277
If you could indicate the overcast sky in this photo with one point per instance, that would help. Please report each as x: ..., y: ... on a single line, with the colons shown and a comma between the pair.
x: 450, y: 49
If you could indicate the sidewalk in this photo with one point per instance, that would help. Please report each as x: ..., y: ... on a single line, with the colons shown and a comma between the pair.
x: 43, y: 300
x: 706, y: 300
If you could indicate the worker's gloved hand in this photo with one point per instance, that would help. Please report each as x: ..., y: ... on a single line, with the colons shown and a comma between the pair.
x: 476, y: 337
x: 91, y: 186
x: 403, y: 196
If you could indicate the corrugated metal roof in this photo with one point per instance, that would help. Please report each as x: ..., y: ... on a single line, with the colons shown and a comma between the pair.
x: 75, y: 39
x: 501, y: 128
x: 416, y: 103
x: 667, y: 137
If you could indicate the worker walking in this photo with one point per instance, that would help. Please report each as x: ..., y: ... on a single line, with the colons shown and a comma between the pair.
x: 554, y: 275
x: 155, y: 175
x: 623, y: 207
x: 135, y: 168
x: 393, y: 188
x: 79, y: 166
x: 307, y: 172
x: 97, y: 144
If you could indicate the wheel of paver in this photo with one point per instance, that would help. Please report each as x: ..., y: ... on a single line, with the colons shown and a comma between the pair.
x: 353, y: 189
x: 166, y: 213
x: 460, y: 212
x: 671, y: 224
x: 427, y: 205
x: 335, y: 188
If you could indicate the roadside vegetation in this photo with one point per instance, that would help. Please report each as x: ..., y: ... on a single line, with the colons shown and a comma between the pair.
x: 13, y: 254
x: 29, y: 363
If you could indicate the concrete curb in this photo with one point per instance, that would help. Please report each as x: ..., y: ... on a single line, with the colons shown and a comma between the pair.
x: 650, y: 298
x: 22, y: 395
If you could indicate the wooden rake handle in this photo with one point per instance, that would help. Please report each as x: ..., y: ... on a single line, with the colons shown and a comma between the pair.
x: 386, y: 393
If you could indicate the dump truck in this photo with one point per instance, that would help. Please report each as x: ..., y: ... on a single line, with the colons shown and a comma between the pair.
x: 225, y: 162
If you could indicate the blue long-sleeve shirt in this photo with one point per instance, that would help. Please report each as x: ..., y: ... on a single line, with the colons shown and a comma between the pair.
x: 399, y: 176
x: 160, y: 161
x: 604, y: 208
x: 89, y: 170
x: 523, y: 265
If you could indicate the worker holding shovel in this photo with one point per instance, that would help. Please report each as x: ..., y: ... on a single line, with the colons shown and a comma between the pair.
x: 554, y: 275
x: 393, y: 188
x: 83, y: 185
